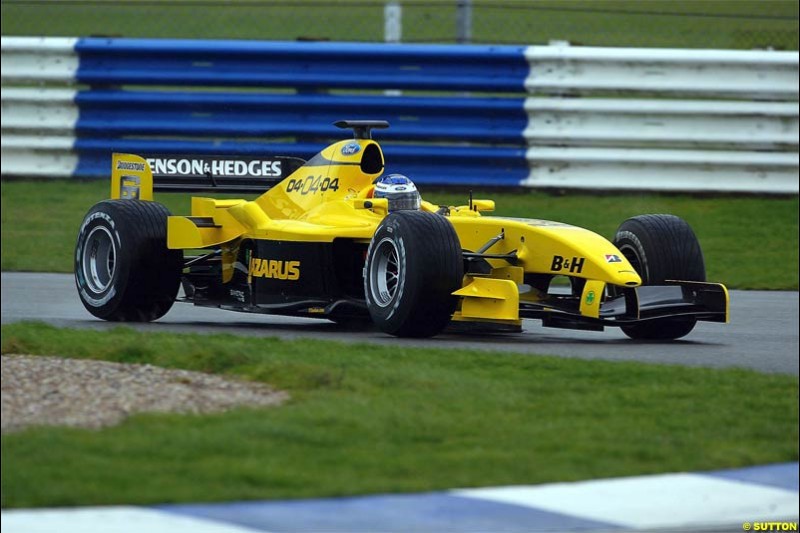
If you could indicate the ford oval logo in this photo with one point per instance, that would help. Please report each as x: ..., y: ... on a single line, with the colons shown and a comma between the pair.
x: 350, y: 149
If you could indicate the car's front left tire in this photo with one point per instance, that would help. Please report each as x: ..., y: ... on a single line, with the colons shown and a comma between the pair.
x: 123, y: 268
x: 414, y: 264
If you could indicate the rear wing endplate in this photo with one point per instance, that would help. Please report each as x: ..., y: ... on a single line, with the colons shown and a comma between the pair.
x: 136, y: 177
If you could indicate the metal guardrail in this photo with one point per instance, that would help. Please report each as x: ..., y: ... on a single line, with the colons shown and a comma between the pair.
x: 761, y: 74
x: 551, y: 117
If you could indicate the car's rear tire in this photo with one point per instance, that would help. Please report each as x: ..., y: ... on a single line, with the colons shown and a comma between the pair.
x: 123, y: 268
x: 660, y: 248
x: 413, y: 266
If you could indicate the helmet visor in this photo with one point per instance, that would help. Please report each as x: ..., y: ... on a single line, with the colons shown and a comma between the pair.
x: 403, y: 201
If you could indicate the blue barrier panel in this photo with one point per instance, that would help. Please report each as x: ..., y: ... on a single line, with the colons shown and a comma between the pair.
x: 482, y: 120
x: 163, y: 96
x: 305, y: 65
x: 426, y: 165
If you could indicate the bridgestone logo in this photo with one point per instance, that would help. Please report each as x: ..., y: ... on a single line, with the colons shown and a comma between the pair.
x: 214, y: 167
x: 130, y: 165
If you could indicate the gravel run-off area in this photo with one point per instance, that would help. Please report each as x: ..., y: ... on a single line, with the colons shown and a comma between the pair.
x: 39, y: 390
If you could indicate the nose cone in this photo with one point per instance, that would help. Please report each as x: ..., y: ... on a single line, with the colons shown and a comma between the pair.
x: 617, y: 269
x: 627, y: 278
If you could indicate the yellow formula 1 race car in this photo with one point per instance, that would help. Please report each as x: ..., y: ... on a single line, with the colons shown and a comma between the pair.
x: 335, y: 238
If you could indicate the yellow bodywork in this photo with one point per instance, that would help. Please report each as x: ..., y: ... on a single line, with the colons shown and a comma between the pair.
x: 330, y: 198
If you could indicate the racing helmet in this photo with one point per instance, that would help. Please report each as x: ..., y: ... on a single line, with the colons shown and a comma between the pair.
x: 400, y: 191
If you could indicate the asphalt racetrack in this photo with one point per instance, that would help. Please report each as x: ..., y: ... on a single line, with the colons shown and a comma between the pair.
x: 762, y: 335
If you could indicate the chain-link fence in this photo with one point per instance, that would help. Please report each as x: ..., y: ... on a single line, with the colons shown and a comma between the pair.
x: 743, y: 24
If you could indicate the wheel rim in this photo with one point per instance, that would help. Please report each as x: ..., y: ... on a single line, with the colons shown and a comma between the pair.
x: 385, y: 273
x: 99, y: 259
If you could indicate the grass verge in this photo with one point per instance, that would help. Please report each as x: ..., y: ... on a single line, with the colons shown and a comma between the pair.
x: 749, y: 243
x: 374, y: 419
x: 744, y: 24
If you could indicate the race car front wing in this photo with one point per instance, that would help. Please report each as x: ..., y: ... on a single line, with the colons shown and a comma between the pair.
x: 595, y: 307
x: 629, y: 306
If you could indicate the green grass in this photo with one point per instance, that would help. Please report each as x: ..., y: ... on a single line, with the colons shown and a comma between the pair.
x: 375, y: 419
x: 749, y: 243
x: 743, y: 24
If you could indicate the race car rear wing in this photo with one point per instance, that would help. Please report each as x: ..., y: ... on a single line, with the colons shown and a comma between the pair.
x: 136, y: 177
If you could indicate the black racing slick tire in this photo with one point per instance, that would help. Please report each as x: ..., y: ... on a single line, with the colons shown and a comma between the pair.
x: 124, y: 271
x: 413, y: 266
x: 660, y: 248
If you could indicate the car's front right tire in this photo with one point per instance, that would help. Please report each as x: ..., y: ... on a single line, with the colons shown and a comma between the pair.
x: 661, y: 248
x: 123, y: 268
